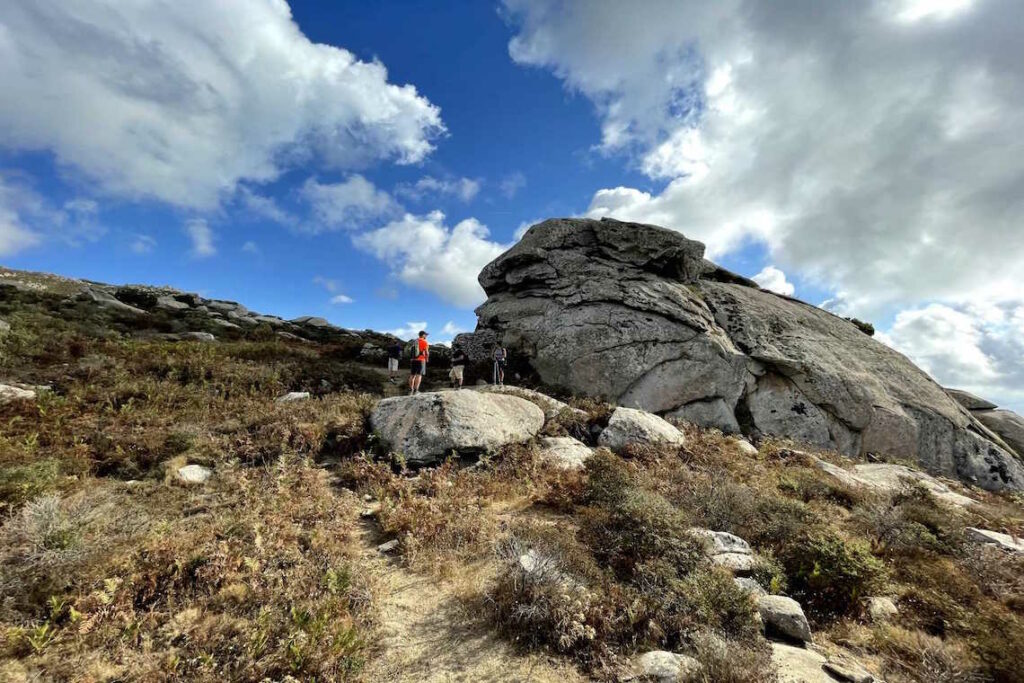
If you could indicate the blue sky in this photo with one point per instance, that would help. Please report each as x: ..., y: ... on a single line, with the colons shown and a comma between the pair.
x: 362, y: 161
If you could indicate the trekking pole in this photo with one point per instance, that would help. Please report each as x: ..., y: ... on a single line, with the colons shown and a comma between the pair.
x: 495, y: 378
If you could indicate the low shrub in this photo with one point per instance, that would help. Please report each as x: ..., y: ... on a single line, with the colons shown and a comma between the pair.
x: 829, y: 574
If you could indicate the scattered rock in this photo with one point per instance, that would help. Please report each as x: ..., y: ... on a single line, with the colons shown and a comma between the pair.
x: 659, y: 666
x: 628, y: 425
x: 293, y: 396
x: 969, y: 400
x: 388, y: 547
x: 880, y: 609
x: 5, y: 327
x: 633, y: 314
x: 427, y: 427
x: 846, y: 669
x: 1004, y: 541
x: 10, y: 393
x: 784, y: 616
x: 564, y: 452
x: 199, y: 336
x: 194, y: 474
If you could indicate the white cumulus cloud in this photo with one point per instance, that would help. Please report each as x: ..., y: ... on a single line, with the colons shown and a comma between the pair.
x: 424, y: 252
x: 180, y: 101
x: 429, y: 187
x: 774, y: 279
x: 348, y: 204
x: 872, y: 147
x: 979, y: 348
x: 201, y: 236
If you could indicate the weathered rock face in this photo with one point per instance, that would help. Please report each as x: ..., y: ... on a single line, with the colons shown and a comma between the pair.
x: 1007, y: 424
x: 633, y: 314
x: 427, y: 427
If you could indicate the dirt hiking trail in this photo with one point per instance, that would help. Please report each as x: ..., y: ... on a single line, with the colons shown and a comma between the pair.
x: 427, y: 634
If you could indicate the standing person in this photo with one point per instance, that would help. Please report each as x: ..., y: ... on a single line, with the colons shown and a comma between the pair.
x: 394, y: 356
x: 458, y: 367
x: 500, y: 356
x: 421, y: 353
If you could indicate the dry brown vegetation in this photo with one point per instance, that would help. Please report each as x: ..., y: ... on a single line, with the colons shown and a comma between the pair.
x: 113, y: 570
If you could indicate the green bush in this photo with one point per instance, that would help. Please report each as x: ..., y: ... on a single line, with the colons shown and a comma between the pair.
x: 829, y: 575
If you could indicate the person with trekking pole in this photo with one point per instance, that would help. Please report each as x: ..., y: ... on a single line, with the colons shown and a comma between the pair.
x: 500, y: 356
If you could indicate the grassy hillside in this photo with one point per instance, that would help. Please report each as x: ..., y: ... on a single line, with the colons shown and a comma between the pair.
x: 112, y: 569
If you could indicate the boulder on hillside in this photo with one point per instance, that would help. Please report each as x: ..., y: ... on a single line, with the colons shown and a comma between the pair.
x: 628, y: 425
x: 564, y: 452
x: 427, y: 427
x: 10, y: 393
x: 783, y: 616
x: 969, y: 400
x: 634, y: 314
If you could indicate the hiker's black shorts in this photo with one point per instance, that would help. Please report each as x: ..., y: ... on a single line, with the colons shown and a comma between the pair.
x: 419, y: 367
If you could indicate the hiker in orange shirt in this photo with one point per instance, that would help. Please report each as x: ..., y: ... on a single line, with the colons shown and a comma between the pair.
x: 421, y: 353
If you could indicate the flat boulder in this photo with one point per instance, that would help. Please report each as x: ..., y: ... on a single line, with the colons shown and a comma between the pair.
x: 552, y: 407
x: 194, y: 474
x: 799, y: 665
x: 630, y: 426
x: 890, y: 478
x: 1000, y: 540
x: 969, y: 400
x: 427, y: 427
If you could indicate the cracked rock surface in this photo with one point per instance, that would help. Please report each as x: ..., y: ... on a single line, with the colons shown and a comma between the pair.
x: 635, y: 315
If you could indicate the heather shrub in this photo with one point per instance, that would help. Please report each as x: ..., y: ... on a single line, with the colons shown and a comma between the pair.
x: 829, y: 574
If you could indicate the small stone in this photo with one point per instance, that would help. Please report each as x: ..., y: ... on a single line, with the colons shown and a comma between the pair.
x: 881, y: 610
x: 194, y: 474
x: 722, y: 541
x: 5, y: 327
x: 1004, y: 541
x: 745, y: 447
x: 293, y: 396
x: 784, y: 616
x: 848, y: 670
x: 367, y: 497
x: 369, y: 512
x: 666, y: 667
x: 388, y: 547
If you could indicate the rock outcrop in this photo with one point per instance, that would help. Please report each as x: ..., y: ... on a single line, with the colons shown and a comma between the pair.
x: 425, y: 428
x: 635, y: 315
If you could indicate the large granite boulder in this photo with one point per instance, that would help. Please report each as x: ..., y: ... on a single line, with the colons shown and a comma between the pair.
x: 1007, y: 424
x: 634, y: 314
x: 969, y: 400
x: 428, y: 427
